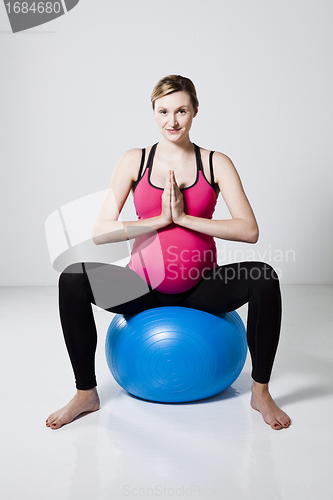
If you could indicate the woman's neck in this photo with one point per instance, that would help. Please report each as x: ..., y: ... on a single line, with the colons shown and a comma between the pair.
x: 175, y: 150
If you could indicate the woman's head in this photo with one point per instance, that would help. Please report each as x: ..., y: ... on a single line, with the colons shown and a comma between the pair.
x: 174, y: 83
x: 175, y: 104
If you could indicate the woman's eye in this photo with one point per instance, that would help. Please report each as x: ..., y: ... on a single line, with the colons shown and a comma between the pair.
x: 182, y: 111
x: 163, y: 112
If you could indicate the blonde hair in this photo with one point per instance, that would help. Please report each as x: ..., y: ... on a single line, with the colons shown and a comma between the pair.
x: 174, y: 83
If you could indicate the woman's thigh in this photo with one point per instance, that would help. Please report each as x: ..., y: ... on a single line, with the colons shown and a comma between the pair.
x: 115, y: 288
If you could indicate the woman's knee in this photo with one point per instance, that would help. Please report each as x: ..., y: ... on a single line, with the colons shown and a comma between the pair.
x: 262, y: 271
x: 264, y: 278
x: 72, y: 277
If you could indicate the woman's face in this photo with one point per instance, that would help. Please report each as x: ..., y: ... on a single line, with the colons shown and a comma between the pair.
x: 174, y: 114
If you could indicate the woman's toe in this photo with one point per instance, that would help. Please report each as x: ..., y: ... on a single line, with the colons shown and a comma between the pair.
x: 56, y: 424
x: 52, y: 418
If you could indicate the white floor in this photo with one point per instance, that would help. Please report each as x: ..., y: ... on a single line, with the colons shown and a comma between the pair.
x: 217, y: 448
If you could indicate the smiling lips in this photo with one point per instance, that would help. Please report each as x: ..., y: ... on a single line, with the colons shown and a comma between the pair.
x: 173, y: 131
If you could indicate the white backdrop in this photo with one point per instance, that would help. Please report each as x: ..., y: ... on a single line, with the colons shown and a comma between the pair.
x: 75, y: 94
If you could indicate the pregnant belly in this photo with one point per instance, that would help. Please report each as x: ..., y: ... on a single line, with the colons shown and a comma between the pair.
x: 174, y: 260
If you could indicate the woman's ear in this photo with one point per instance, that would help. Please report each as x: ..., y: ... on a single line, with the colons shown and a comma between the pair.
x: 196, y: 111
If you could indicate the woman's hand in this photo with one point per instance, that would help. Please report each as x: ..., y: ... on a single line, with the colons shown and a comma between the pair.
x: 172, y: 201
x: 177, y: 201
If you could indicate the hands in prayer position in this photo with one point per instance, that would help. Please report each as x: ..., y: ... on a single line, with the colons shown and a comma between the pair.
x: 172, y: 200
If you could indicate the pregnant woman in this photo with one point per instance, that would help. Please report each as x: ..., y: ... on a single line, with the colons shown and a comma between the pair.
x: 175, y: 186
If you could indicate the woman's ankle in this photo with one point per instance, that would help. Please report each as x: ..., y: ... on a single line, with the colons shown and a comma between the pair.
x: 259, y: 388
x: 87, y: 392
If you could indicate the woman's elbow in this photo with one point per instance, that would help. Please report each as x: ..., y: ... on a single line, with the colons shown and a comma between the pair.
x: 96, y: 236
x: 253, y: 235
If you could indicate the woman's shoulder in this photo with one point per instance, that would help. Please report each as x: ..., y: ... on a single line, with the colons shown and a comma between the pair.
x: 129, y: 164
x: 132, y: 154
x: 225, y: 172
x: 135, y: 154
x: 219, y: 159
x: 130, y: 161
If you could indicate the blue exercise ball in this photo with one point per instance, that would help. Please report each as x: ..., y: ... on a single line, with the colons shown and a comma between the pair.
x: 175, y: 354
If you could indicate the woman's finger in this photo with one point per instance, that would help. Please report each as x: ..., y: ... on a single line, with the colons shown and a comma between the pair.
x: 175, y: 188
x: 172, y: 185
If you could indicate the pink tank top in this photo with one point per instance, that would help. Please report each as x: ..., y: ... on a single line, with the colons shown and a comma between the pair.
x: 174, y: 259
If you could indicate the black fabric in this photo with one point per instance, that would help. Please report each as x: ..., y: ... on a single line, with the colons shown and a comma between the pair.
x: 121, y: 290
x: 198, y: 157
x: 143, y: 155
x: 212, y: 181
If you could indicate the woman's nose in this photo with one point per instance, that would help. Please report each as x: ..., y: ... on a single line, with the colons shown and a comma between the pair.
x: 173, y: 120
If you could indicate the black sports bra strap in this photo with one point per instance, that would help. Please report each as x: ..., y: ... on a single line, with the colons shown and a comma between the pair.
x: 142, y: 163
x: 149, y: 161
x: 198, y: 157
x: 151, y: 155
x: 212, y: 180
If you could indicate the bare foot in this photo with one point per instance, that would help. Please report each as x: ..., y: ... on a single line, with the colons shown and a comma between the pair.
x: 262, y: 401
x: 83, y: 401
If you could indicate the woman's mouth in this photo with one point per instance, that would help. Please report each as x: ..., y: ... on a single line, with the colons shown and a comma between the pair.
x: 173, y: 130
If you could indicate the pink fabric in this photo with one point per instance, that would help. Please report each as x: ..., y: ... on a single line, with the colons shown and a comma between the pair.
x: 175, y: 259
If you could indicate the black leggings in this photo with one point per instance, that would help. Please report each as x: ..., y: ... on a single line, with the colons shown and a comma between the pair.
x: 121, y: 290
